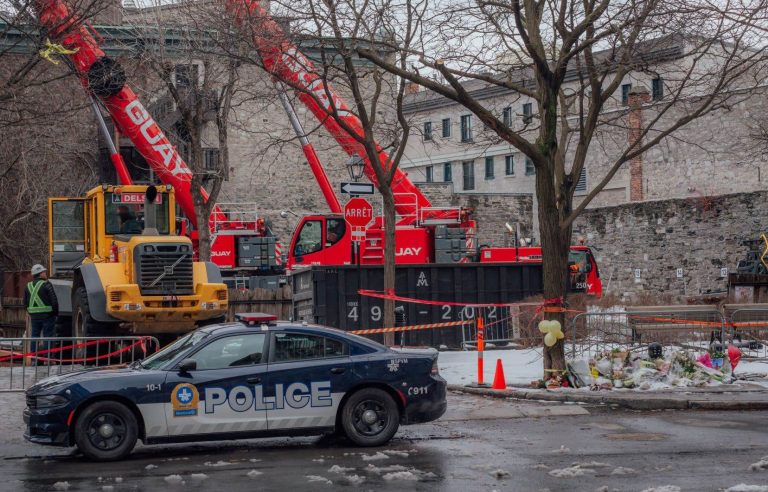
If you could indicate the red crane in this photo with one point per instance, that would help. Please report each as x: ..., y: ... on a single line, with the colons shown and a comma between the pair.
x: 424, y: 234
x: 102, y: 77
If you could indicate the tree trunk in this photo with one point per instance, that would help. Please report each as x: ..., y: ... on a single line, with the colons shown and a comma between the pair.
x: 555, y: 243
x: 389, y: 261
x: 203, y: 231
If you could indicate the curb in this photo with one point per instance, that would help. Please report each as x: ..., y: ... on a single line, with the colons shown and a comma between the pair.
x: 644, y: 401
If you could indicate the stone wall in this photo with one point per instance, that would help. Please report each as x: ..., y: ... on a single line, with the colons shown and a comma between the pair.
x: 640, y: 246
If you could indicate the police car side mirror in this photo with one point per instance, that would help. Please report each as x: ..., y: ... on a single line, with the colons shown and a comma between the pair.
x: 187, y: 365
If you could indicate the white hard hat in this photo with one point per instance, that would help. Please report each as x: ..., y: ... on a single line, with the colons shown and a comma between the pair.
x: 37, y: 269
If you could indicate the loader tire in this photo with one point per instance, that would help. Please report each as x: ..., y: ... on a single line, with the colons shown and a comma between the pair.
x: 83, y: 325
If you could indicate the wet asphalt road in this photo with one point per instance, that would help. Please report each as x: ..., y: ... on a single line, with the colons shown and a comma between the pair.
x: 481, y: 444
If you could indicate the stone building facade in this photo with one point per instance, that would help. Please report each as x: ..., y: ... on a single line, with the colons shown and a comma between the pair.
x: 712, y: 155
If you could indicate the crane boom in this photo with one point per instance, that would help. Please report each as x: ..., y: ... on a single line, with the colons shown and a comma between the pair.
x: 103, y: 76
x: 284, y: 61
x: 309, y: 152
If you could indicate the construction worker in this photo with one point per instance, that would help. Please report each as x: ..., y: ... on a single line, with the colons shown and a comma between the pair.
x: 42, y: 305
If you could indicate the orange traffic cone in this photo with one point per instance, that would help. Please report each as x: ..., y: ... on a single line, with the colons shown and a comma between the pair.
x: 499, y: 383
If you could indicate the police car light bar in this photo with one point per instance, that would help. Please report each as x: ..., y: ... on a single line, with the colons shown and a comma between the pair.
x: 255, y: 318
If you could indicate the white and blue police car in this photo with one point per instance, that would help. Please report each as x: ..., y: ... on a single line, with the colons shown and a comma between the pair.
x: 253, y: 378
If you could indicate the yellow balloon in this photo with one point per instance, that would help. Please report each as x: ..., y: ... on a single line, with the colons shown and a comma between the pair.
x: 550, y: 339
x: 546, y: 326
x: 553, y: 331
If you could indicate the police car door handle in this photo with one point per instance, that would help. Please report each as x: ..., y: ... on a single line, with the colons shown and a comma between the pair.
x: 255, y: 380
x: 338, y: 370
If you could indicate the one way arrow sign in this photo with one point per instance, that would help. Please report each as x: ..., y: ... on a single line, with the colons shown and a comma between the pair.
x: 357, y: 188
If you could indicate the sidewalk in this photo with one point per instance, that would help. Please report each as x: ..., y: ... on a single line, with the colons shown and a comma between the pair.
x: 745, y: 396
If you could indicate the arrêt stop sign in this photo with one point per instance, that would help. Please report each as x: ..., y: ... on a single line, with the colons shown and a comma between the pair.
x: 358, y: 212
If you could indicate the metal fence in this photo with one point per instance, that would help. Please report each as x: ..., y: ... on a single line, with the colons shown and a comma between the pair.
x: 688, y: 327
x: 25, y: 361
x: 505, y: 326
x: 748, y: 329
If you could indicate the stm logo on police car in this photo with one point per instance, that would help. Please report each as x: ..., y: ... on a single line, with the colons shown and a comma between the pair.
x: 244, y: 398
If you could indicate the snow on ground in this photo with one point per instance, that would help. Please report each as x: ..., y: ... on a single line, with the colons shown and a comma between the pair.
x: 318, y: 478
x: 760, y: 465
x: 173, y: 479
x: 522, y: 366
x: 374, y: 457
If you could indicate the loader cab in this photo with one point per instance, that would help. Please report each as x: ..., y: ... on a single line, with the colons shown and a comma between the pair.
x: 320, y: 240
x: 84, y: 229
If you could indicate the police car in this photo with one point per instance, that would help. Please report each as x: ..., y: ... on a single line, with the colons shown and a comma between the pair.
x: 253, y: 378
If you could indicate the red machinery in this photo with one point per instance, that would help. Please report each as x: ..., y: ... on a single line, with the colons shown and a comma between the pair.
x: 423, y: 234
x: 417, y: 219
x: 103, y: 77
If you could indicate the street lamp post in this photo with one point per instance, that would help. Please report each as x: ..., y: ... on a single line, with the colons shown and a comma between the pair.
x: 356, y: 167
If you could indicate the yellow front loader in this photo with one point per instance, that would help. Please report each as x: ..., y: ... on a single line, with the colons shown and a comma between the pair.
x: 119, y: 267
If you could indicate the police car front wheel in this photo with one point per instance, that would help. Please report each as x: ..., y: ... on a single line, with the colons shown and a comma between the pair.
x: 106, y: 431
x: 370, y: 417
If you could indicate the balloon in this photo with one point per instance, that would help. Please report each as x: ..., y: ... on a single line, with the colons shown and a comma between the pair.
x: 545, y: 326
x: 553, y: 331
x: 734, y: 355
x: 550, y: 339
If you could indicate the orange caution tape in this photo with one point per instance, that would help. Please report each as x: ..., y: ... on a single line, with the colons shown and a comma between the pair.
x: 394, y: 329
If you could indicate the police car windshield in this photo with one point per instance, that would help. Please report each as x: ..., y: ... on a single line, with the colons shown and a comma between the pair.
x: 170, y: 352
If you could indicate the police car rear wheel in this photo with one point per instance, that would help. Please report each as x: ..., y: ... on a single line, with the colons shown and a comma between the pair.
x: 370, y: 417
x: 106, y: 431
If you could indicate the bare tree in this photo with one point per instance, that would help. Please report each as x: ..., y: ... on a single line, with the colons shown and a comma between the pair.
x: 201, y: 86
x: 569, y: 59
x: 48, y: 148
x: 374, y: 122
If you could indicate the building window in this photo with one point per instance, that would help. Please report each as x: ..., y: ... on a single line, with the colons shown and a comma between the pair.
x: 186, y: 76
x: 509, y: 165
x: 427, y: 131
x: 446, y: 127
x: 625, y: 88
x: 657, y: 89
x: 211, y: 159
x: 469, y: 174
x: 489, y: 168
x: 527, y: 113
x: 581, y: 185
x: 430, y: 172
x: 447, y: 174
x: 507, y: 116
x: 529, y: 167
x: 466, y: 128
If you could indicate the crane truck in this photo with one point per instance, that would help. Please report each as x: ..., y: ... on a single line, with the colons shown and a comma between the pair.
x: 423, y: 233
